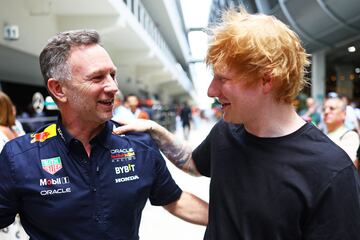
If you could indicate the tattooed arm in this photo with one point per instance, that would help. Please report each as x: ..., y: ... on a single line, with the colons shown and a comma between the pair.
x: 178, y: 152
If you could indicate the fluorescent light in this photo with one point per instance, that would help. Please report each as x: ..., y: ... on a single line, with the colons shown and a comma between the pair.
x: 352, y: 49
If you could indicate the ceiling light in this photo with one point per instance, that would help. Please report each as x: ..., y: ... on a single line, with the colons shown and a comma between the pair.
x: 351, y: 49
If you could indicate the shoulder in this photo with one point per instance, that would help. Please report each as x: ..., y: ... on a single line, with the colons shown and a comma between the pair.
x: 221, y: 125
x: 224, y: 129
x: 350, y: 134
x: 3, y: 137
x: 30, y: 141
x: 327, y: 155
x: 142, y: 140
x: 222, y: 135
x: 7, y: 132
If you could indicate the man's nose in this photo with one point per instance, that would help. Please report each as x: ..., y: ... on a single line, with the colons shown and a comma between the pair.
x: 111, y: 84
x: 213, y: 89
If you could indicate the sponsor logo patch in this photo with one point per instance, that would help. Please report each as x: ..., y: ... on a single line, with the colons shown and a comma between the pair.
x: 125, y: 169
x: 51, y: 165
x: 48, y: 132
x: 124, y: 172
x: 124, y: 154
x: 55, y: 191
x: 126, y: 179
x: 54, y: 181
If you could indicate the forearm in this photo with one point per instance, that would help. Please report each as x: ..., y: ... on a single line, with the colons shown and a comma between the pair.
x: 178, y: 152
x: 190, y: 208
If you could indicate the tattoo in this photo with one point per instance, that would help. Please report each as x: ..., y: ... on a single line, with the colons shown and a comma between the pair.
x: 179, y: 153
x: 192, y: 171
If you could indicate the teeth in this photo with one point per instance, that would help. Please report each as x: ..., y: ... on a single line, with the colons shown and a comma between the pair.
x: 106, y: 101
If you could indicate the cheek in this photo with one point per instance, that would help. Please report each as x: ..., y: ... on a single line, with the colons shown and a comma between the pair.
x: 329, y: 116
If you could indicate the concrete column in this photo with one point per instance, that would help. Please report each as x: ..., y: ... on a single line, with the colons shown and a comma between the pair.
x: 344, y: 80
x: 318, y: 69
x: 263, y: 6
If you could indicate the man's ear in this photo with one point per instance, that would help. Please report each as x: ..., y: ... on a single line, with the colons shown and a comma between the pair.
x: 56, y: 88
x: 267, y: 82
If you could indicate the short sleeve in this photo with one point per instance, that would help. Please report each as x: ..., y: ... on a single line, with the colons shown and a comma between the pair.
x: 8, y: 200
x: 201, y: 157
x: 164, y: 189
x: 336, y: 214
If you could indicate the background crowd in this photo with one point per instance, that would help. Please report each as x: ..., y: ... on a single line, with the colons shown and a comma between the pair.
x: 338, y: 118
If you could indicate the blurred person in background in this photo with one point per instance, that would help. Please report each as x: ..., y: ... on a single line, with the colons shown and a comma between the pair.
x: 334, y: 119
x: 132, y: 102
x: 7, y: 133
x: 273, y: 175
x: 121, y: 111
x: 351, y: 120
x: 310, y: 113
x: 7, y: 120
x: 74, y: 179
x: 17, y: 127
x: 185, y: 117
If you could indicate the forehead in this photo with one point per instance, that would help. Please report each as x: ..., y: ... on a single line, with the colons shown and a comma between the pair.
x: 132, y: 98
x: 333, y: 102
x: 90, y: 58
x: 223, y: 70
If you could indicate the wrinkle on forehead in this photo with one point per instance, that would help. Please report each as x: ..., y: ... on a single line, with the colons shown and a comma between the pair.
x: 81, y: 57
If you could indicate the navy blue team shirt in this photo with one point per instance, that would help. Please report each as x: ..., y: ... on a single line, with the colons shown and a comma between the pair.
x: 61, y: 193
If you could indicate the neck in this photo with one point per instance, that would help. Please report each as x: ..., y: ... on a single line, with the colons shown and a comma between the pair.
x: 133, y: 110
x: 274, y: 120
x: 84, y: 132
x: 333, y: 127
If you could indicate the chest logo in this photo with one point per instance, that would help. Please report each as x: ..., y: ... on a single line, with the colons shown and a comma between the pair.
x: 124, y: 154
x: 51, y: 165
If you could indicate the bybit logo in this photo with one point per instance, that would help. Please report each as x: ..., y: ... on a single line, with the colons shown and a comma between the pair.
x: 125, y: 169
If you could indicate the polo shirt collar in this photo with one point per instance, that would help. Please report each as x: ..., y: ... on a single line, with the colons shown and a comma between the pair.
x: 103, y: 138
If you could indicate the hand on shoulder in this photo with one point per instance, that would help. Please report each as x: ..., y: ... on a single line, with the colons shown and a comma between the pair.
x: 136, y: 125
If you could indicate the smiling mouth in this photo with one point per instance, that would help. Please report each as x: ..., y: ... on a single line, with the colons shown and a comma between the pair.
x: 108, y: 102
x: 223, y: 105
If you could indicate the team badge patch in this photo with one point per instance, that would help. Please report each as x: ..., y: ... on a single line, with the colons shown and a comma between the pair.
x: 48, y: 132
x: 51, y: 165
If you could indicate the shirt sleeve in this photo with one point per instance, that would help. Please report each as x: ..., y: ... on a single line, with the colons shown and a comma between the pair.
x: 336, y: 214
x: 201, y: 157
x: 8, y: 200
x: 164, y: 189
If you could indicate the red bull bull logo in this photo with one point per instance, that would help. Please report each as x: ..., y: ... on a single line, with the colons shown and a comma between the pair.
x: 48, y: 132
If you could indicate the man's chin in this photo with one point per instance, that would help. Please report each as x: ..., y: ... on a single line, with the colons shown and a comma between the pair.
x: 105, y: 117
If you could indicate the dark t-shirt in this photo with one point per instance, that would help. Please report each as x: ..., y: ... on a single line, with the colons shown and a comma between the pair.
x: 300, y: 186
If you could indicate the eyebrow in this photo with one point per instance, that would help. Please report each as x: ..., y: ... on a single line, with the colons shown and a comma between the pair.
x: 221, y: 75
x: 99, y: 72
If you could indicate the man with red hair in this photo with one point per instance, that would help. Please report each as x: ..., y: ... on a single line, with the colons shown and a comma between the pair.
x: 273, y: 176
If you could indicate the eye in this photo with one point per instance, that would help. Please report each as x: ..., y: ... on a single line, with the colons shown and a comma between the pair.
x: 222, y: 79
x: 97, y: 78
